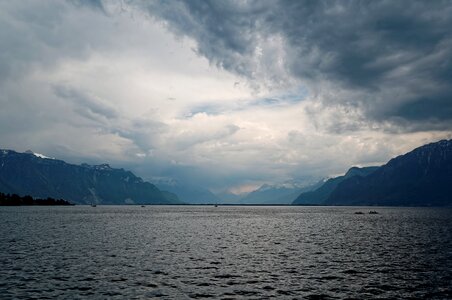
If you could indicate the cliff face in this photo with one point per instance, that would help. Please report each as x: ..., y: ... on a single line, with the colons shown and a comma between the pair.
x: 33, y: 174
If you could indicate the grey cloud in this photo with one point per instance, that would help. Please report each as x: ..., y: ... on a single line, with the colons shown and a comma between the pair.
x: 372, y: 65
x: 190, y: 138
x: 209, y: 109
x: 213, y: 177
x: 345, y: 38
x: 223, y: 29
x: 87, y: 105
x: 94, y: 4
x: 143, y: 132
x: 38, y: 34
x: 382, y: 49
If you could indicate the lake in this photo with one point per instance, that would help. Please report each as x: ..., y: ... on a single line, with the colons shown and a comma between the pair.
x: 225, y: 252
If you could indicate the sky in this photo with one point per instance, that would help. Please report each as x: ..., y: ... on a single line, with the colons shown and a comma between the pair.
x: 225, y: 94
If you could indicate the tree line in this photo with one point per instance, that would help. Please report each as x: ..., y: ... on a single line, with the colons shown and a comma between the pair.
x: 16, y: 200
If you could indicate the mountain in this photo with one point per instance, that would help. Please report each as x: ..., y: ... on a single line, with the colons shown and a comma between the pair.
x: 422, y: 177
x: 276, y: 194
x: 230, y: 198
x: 321, y: 194
x: 266, y: 194
x: 38, y: 176
x: 187, y: 193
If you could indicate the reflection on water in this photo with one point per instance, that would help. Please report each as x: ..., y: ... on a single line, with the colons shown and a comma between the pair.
x: 187, y: 252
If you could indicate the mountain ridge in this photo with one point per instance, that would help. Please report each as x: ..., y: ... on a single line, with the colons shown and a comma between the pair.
x: 421, y: 177
x: 277, y: 193
x: 190, y: 194
x: 321, y: 194
x: 38, y: 176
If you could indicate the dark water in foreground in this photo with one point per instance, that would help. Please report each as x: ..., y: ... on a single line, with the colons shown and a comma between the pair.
x: 184, y: 252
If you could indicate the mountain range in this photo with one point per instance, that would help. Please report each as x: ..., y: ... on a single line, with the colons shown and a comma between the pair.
x: 187, y: 193
x: 422, y: 177
x: 323, y: 192
x: 39, y: 176
x: 276, y: 194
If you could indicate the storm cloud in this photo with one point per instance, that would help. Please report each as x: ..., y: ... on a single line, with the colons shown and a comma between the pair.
x: 225, y: 94
x: 392, y: 57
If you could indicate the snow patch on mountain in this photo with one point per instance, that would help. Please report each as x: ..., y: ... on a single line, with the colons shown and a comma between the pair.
x: 38, y: 155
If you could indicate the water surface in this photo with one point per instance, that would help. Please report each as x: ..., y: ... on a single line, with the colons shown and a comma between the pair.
x: 193, y: 252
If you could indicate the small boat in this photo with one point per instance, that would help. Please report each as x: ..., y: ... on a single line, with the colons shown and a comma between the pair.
x: 216, y: 205
x: 142, y: 205
x: 373, y: 212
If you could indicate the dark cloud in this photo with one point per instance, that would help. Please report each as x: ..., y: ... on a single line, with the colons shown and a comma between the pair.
x: 353, y: 35
x: 378, y: 50
x: 224, y: 29
x: 422, y: 107
x: 344, y: 82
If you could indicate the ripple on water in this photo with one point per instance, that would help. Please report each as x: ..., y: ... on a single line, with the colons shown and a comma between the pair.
x: 201, y: 295
x: 224, y: 253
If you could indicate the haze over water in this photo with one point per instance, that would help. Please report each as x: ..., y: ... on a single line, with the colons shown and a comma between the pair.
x: 185, y: 252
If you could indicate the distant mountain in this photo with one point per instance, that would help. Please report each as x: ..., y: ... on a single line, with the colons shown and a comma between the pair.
x: 422, y: 177
x: 275, y: 194
x: 187, y: 193
x: 230, y: 198
x: 321, y: 194
x: 38, y: 176
x: 266, y: 194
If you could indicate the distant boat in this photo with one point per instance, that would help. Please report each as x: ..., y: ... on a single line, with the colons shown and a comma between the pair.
x: 142, y: 205
x: 373, y: 212
x: 216, y: 205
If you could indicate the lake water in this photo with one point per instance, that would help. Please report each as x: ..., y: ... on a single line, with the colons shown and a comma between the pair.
x: 194, y: 252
